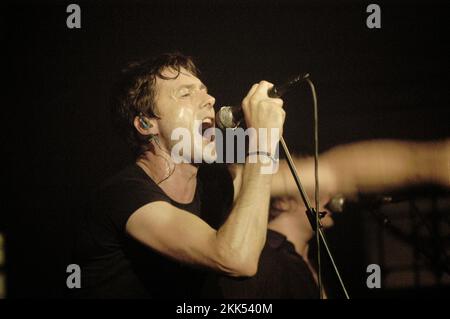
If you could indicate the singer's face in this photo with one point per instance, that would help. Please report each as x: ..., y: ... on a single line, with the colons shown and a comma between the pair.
x: 184, y: 106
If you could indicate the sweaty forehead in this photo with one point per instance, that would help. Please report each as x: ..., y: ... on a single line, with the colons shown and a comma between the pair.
x: 174, y: 81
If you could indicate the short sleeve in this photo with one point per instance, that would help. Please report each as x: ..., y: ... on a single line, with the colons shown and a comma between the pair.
x: 119, y: 200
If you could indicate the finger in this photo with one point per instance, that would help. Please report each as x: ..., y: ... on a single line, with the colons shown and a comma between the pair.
x: 263, y: 88
x: 250, y: 93
x: 279, y: 102
x: 252, y: 90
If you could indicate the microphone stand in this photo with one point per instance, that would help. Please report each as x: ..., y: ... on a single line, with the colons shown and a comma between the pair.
x: 311, y: 213
x: 227, y: 120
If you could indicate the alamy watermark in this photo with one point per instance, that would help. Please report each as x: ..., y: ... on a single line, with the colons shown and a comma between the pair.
x: 73, y: 20
x: 74, y: 279
x: 373, y: 20
x: 262, y: 146
x: 374, y: 279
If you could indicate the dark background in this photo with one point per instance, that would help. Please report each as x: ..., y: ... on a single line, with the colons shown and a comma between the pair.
x: 57, y: 137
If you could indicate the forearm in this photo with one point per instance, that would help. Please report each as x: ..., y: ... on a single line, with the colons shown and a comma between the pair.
x: 384, y: 165
x: 368, y: 167
x: 243, y: 235
x: 435, y: 157
x: 283, y: 183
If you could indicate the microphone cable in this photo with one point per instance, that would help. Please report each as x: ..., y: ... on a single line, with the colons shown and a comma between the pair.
x: 316, y: 184
x: 319, y: 230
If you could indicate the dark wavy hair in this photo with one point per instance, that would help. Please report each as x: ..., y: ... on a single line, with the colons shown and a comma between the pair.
x: 134, y: 93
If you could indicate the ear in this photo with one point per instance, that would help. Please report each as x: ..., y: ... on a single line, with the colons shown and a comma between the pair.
x: 151, y: 127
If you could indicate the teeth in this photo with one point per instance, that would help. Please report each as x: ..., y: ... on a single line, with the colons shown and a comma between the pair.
x: 207, y: 123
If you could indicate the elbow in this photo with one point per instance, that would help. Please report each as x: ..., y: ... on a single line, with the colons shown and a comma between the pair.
x: 237, y: 265
x: 243, y: 269
x: 248, y: 269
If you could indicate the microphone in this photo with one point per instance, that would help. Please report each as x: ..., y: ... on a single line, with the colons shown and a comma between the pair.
x: 339, y: 203
x: 232, y: 116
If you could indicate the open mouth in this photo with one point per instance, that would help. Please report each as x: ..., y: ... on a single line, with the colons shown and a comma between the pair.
x: 207, y: 123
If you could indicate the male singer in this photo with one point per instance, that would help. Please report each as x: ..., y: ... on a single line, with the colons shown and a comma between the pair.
x: 146, y: 235
x: 143, y: 236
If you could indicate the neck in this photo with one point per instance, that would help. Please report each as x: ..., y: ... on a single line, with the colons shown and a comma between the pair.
x: 178, y: 181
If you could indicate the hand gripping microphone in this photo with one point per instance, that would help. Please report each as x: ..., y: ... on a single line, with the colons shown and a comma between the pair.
x: 233, y: 116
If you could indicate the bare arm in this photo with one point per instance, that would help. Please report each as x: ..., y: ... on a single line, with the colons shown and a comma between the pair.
x: 235, y: 248
x: 370, y: 166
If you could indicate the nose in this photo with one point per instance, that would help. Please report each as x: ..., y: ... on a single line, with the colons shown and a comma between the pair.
x: 209, y: 101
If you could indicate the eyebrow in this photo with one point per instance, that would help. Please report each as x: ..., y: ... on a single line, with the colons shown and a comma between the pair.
x: 191, y: 86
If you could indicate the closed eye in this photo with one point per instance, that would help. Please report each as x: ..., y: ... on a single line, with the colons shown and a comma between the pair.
x: 185, y: 92
x: 188, y: 90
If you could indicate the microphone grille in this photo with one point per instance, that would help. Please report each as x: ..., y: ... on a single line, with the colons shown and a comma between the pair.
x: 336, y: 204
x: 224, y: 118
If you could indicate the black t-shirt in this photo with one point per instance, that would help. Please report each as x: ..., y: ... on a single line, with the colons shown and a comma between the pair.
x: 114, y: 265
x: 282, y: 273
